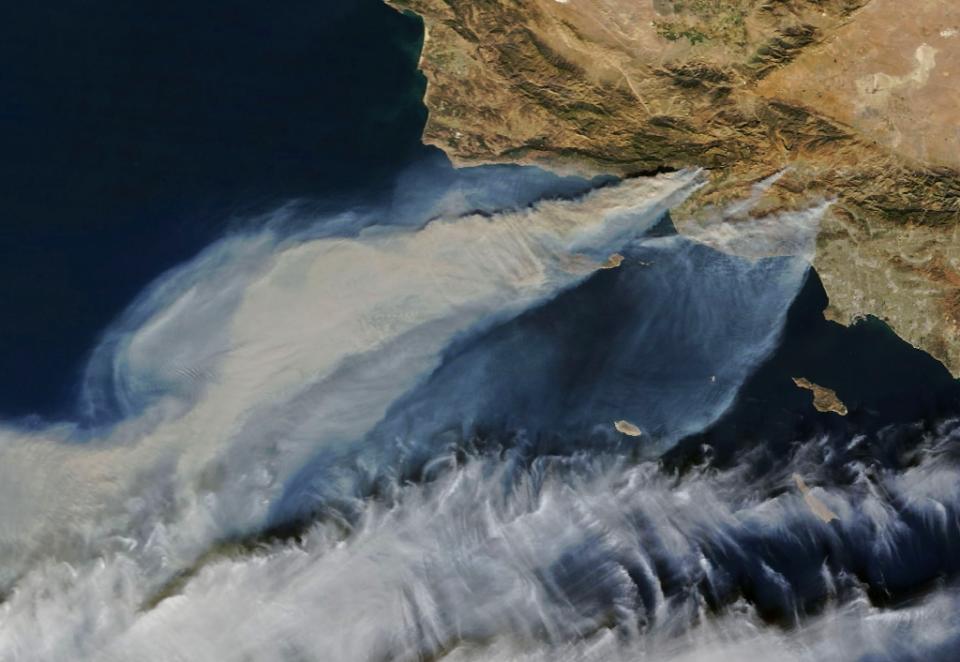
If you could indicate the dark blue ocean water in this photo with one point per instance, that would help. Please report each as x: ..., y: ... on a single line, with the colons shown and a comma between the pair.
x: 132, y: 132
x: 132, y: 135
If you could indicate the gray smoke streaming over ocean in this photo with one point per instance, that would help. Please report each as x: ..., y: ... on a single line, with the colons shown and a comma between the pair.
x: 437, y: 401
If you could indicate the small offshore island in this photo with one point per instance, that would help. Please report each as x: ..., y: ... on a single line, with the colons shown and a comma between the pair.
x: 852, y: 101
x: 365, y: 405
x: 824, y: 399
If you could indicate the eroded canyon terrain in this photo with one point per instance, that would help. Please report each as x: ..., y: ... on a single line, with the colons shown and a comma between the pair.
x: 790, y: 102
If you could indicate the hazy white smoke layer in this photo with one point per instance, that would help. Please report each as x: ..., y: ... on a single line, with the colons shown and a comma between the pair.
x: 279, y: 366
x: 738, y: 230
x: 664, y: 342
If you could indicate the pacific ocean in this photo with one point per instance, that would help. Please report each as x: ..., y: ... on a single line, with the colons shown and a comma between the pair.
x: 261, y: 346
x: 133, y: 134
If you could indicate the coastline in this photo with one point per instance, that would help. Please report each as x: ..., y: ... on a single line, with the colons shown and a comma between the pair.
x: 885, y: 249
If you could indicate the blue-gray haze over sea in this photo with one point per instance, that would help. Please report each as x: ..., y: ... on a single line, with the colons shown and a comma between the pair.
x: 277, y: 382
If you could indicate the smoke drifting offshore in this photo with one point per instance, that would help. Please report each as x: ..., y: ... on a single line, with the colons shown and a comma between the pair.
x: 398, y: 434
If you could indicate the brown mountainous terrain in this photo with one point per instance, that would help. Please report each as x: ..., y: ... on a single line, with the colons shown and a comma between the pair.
x: 854, y: 101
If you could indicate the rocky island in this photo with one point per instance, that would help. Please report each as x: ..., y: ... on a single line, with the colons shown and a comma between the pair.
x: 824, y: 399
x: 851, y: 102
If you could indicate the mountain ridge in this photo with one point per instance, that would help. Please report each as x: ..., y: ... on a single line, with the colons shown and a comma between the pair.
x: 847, y: 99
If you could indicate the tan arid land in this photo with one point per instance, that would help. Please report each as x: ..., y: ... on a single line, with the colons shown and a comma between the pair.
x: 627, y: 428
x: 856, y: 101
x: 824, y: 399
x: 818, y: 507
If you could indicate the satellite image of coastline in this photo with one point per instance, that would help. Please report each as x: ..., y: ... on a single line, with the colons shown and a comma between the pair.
x: 462, y: 330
